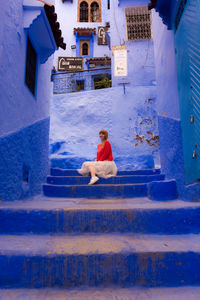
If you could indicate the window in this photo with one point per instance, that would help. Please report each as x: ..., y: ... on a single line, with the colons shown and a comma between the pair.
x: 31, y: 62
x: 84, y: 47
x: 83, y: 12
x: 80, y: 85
x: 95, y: 16
x: 138, y: 23
x: 90, y: 10
x: 108, y: 4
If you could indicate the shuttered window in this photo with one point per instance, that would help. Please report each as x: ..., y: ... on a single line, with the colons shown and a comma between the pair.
x: 138, y: 23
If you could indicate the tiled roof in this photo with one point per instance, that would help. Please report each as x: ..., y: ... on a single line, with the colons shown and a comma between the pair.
x: 84, y: 31
x: 55, y: 26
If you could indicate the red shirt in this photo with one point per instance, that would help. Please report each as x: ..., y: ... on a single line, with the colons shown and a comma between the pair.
x: 104, y: 153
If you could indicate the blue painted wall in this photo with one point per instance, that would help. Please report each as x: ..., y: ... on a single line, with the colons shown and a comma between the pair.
x: 171, y: 144
x: 77, y: 118
x: 24, y: 118
x: 141, y: 66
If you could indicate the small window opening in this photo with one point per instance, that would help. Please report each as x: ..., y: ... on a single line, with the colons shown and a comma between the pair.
x: 80, y: 84
x: 31, y: 63
x: 85, y: 49
x: 25, y: 174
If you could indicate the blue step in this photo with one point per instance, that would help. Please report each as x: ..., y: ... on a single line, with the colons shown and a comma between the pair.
x: 99, y: 293
x: 31, y: 261
x: 142, y: 215
x: 64, y: 172
x: 96, y: 191
x: 80, y: 180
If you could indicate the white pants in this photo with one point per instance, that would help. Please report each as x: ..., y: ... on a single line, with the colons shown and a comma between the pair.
x: 104, y: 169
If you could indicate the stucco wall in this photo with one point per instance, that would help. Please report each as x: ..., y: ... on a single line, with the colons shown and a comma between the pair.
x: 24, y: 161
x: 77, y: 118
x: 169, y: 122
x: 141, y: 67
x: 166, y: 73
x: 67, y: 13
x: 24, y: 118
x: 19, y: 108
x: 169, y: 125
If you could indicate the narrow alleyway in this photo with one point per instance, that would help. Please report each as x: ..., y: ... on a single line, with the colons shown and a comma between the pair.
x: 130, y: 68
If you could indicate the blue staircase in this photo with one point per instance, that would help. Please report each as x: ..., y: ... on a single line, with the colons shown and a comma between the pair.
x: 127, y: 184
x: 67, y: 239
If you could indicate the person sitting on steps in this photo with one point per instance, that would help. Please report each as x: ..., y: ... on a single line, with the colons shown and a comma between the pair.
x: 103, y: 166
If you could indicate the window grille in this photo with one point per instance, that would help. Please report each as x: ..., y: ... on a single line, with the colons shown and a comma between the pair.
x: 180, y: 13
x: 31, y: 62
x: 138, y: 23
x: 95, y: 12
x: 83, y: 12
x: 84, y: 47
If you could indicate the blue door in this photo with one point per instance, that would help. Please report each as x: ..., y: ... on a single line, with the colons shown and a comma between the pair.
x: 187, y: 48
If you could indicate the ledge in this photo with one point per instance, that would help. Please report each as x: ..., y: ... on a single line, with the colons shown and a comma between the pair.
x: 99, y: 60
x: 43, y: 33
x: 84, y: 31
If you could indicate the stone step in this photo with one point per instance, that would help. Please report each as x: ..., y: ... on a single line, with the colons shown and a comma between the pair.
x: 56, y: 215
x: 109, y: 293
x: 80, y: 180
x: 99, y: 260
x: 69, y: 172
x: 96, y: 191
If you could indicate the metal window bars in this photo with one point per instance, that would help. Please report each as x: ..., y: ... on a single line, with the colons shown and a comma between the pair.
x: 138, y: 23
x: 83, y: 12
x: 85, y: 48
